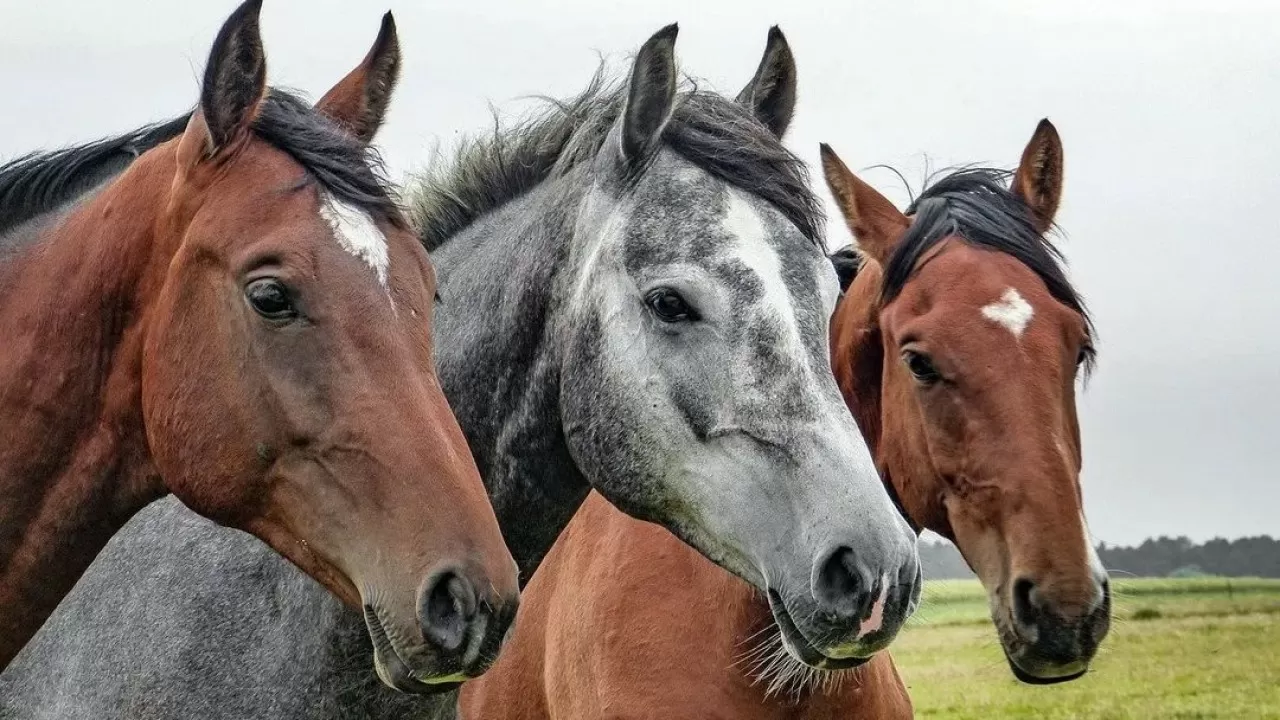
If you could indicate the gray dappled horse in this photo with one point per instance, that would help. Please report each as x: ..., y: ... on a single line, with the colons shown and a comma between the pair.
x: 634, y: 298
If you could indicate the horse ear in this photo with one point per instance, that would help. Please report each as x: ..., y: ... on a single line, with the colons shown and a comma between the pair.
x: 1038, y: 181
x: 651, y: 96
x: 359, y: 101
x: 873, y: 220
x: 235, y: 78
x: 771, y: 94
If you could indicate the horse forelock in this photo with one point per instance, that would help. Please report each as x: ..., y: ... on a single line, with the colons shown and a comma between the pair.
x: 715, y: 133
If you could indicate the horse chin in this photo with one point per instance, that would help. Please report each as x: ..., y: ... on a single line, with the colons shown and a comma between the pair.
x: 1067, y: 675
x: 1028, y: 669
x: 799, y: 647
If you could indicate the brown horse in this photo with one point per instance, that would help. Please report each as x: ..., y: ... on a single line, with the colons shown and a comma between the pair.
x: 242, y: 318
x: 958, y: 347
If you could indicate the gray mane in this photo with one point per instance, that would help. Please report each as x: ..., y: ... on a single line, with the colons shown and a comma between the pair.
x: 711, y: 131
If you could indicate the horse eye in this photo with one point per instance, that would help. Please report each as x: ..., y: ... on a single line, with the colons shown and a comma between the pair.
x: 270, y: 298
x: 921, y: 367
x: 669, y: 306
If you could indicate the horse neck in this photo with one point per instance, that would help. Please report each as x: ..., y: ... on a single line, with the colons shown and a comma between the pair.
x: 858, y: 362
x: 30, y: 217
x: 74, y: 465
x: 496, y: 322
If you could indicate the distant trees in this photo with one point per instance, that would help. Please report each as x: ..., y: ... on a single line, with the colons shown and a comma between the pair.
x: 1155, y: 557
x: 1162, y: 556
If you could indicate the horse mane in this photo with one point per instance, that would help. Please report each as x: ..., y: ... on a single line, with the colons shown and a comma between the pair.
x: 976, y: 205
x: 709, y: 130
x: 847, y: 261
x: 344, y: 166
x: 40, y: 182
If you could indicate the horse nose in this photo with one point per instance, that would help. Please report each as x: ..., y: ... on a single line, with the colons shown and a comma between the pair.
x: 447, y: 608
x: 873, y: 599
x: 1059, y: 634
x: 1099, y: 621
x: 840, y: 586
x: 464, y: 625
x: 1040, y: 620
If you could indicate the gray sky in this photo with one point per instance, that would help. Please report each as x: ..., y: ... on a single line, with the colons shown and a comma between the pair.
x: 1168, y: 109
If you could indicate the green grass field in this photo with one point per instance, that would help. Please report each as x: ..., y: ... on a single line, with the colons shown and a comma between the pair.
x: 1195, y: 648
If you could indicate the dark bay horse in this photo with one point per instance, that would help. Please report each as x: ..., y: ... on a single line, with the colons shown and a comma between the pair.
x: 242, y: 318
x: 634, y: 298
x: 961, y: 367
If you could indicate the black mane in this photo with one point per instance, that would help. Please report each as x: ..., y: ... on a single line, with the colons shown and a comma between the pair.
x: 348, y: 169
x: 41, y: 182
x: 976, y: 205
x: 713, y: 132
x: 847, y: 262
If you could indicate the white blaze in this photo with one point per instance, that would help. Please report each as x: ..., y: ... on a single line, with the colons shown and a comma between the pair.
x: 743, y: 222
x: 358, y: 234
x: 1011, y: 311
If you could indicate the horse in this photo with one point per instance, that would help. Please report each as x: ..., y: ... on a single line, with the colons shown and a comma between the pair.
x: 989, y: 454
x: 635, y: 298
x: 957, y: 345
x: 241, y: 318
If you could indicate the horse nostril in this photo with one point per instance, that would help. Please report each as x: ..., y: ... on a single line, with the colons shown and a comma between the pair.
x: 1099, y: 621
x: 446, y: 609
x: 839, y: 587
x: 1025, y: 610
x: 911, y: 576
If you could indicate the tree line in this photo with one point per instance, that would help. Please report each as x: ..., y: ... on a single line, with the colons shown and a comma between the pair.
x: 1155, y: 557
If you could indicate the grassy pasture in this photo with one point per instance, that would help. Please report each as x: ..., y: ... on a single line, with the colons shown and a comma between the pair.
x: 1178, y: 649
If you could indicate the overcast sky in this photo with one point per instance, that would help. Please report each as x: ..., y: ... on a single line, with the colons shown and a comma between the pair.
x: 1169, y: 111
